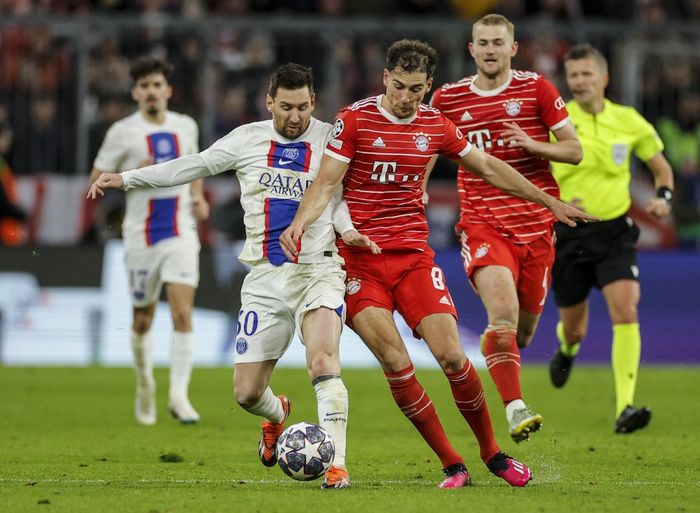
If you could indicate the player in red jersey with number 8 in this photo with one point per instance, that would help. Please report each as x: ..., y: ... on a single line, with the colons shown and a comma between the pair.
x: 506, y: 241
x: 379, y: 150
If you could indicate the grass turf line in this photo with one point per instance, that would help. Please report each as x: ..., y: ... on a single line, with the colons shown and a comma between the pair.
x: 68, y: 443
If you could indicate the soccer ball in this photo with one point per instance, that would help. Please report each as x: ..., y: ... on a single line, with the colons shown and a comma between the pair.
x: 305, y: 451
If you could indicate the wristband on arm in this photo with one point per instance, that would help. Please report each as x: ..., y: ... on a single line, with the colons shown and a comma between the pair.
x: 664, y: 192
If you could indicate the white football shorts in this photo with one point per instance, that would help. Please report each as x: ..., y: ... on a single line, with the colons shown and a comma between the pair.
x: 274, y: 301
x: 174, y: 260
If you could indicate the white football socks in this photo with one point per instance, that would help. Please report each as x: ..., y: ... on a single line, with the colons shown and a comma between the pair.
x: 181, y: 351
x: 142, y: 349
x: 268, y: 406
x: 332, y: 399
x: 145, y: 404
x: 517, y: 404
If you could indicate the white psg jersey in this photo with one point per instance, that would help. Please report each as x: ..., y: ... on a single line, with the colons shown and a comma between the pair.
x: 151, y: 215
x: 274, y: 172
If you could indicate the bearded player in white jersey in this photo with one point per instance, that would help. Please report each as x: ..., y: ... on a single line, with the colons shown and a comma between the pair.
x: 275, y: 161
x: 160, y: 233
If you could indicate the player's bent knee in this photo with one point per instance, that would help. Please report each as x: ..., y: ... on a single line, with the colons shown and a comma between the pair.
x: 452, y: 362
x: 182, y: 320
x: 141, y: 324
x: 246, y: 397
x: 323, y: 362
x: 393, y: 361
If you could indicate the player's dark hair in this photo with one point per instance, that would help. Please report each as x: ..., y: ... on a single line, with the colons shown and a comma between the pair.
x: 411, y: 55
x: 147, y: 65
x: 586, y: 51
x: 291, y: 76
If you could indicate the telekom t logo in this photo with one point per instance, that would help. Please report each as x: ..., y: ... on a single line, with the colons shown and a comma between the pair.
x: 384, y: 172
x: 480, y: 138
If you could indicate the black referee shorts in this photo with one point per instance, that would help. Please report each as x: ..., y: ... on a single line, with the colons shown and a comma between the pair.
x: 593, y: 255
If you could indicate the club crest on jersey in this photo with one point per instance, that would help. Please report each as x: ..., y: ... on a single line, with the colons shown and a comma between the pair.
x: 241, y: 345
x: 290, y: 153
x: 482, y: 250
x: 422, y: 142
x: 353, y: 286
x: 338, y: 128
x: 163, y: 146
x: 512, y: 107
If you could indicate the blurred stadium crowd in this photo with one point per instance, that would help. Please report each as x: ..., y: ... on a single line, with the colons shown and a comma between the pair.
x: 64, y: 65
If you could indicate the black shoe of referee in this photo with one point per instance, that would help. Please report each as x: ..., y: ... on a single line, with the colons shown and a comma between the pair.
x: 560, y: 368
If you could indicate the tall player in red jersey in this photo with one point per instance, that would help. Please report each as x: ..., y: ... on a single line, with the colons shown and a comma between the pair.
x: 379, y: 150
x: 506, y: 241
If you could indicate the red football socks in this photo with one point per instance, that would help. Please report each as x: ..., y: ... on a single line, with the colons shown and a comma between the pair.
x: 502, y: 355
x: 468, y: 393
x: 414, y: 402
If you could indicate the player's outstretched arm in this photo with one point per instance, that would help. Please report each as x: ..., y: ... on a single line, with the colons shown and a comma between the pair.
x: 315, y: 200
x: 166, y: 174
x: 104, y: 181
x: 566, y: 148
x: 501, y: 175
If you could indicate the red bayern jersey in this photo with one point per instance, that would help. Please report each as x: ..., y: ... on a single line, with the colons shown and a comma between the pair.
x: 536, y: 106
x: 387, y: 157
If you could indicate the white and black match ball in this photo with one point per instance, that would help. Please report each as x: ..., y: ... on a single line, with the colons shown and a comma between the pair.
x: 305, y: 451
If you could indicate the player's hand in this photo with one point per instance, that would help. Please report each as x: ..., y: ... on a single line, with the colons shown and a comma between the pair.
x: 568, y: 214
x: 105, y: 181
x: 290, y: 239
x: 516, y: 137
x: 425, y: 198
x: 659, y: 207
x: 200, y: 208
x: 355, y: 238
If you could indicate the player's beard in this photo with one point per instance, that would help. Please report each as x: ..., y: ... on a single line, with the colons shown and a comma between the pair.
x: 293, y: 132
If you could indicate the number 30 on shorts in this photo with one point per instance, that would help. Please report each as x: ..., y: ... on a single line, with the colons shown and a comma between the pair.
x: 438, y: 279
x: 248, y: 322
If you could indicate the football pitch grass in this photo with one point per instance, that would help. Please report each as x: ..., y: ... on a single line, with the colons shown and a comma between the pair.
x: 68, y: 443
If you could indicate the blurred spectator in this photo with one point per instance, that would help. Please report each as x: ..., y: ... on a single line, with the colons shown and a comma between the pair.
x: 108, y: 69
x: 681, y: 134
x: 229, y: 7
x: 232, y: 111
x: 188, y: 59
x: 421, y: 7
x: 474, y: 9
x: 555, y: 10
x: 44, y: 145
x: 544, y: 53
x: 112, y: 108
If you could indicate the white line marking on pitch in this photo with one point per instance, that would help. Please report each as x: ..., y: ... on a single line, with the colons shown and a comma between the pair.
x: 291, y: 482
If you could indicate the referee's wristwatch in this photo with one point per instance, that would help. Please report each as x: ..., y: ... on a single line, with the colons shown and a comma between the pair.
x: 664, y: 192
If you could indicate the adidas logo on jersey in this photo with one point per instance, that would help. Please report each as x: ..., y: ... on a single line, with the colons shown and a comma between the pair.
x: 378, y: 143
x: 466, y: 116
x: 444, y: 301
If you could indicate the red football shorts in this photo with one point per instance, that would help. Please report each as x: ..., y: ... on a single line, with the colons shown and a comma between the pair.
x: 531, y: 264
x: 406, y: 281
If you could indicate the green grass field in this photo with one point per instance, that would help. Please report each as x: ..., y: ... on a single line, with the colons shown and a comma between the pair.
x: 68, y: 443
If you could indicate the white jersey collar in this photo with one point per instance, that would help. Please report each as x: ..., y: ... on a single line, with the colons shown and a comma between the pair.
x: 491, y: 92
x: 391, y: 117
